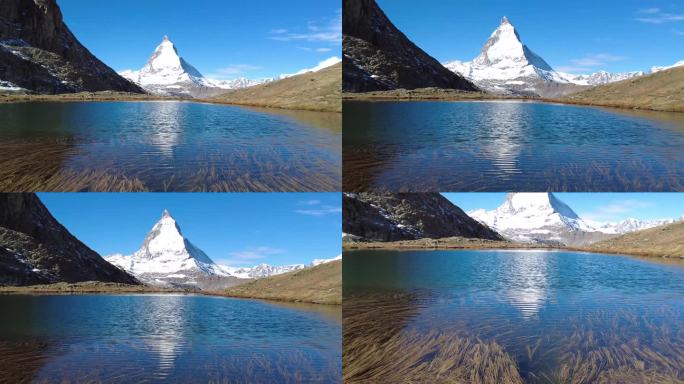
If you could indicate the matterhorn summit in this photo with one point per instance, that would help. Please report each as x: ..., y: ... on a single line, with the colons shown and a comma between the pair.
x: 166, y: 257
x: 543, y: 218
x: 506, y: 65
x: 167, y: 73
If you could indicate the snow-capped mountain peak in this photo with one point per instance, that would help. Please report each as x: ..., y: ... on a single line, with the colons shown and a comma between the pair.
x: 506, y: 65
x: 166, y: 252
x: 542, y: 217
x: 531, y: 211
x: 505, y: 49
x: 167, y: 73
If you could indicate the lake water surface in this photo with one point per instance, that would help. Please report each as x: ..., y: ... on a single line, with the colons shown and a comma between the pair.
x: 166, y: 146
x: 552, y: 316
x: 166, y: 338
x: 510, y: 146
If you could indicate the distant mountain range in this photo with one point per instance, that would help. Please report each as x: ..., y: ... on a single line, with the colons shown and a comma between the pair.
x: 543, y: 218
x: 506, y: 65
x: 38, y: 53
x: 407, y: 216
x: 36, y: 249
x: 377, y: 56
x: 167, y: 258
x: 167, y: 73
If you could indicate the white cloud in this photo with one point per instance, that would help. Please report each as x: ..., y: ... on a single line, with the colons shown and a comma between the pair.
x: 590, y: 63
x: 616, y: 210
x: 317, y: 208
x: 237, y: 69
x: 327, y: 31
x: 657, y: 16
x: 310, y: 202
x: 649, y: 11
x: 256, y: 253
x: 232, y: 71
x: 322, y: 50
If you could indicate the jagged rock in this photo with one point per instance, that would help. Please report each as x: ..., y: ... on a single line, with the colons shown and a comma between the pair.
x: 36, y: 248
x: 39, y: 53
x: 377, y: 56
x: 408, y: 216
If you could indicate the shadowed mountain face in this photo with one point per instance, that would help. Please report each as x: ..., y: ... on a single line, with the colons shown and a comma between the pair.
x: 408, y: 216
x: 39, y: 53
x: 36, y: 248
x: 377, y: 56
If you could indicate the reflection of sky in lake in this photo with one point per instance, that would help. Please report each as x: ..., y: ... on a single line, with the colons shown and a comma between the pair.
x: 546, y: 301
x: 511, y: 145
x: 162, y: 338
x: 169, y: 146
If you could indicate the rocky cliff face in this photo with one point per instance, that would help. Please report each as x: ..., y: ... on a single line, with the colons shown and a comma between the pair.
x: 377, y: 56
x: 39, y: 53
x: 35, y: 248
x: 408, y: 216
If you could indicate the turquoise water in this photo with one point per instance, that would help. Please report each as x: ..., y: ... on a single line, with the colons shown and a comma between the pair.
x: 510, y: 146
x: 546, y: 309
x: 166, y: 338
x: 167, y: 146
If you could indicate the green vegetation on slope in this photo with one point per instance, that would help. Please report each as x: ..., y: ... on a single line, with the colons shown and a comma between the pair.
x: 661, y: 91
x: 319, y: 285
x: 663, y: 241
x: 312, y: 91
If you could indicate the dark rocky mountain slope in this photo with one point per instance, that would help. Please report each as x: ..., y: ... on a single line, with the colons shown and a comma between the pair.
x: 39, y: 53
x: 408, y: 216
x: 35, y: 248
x: 378, y: 57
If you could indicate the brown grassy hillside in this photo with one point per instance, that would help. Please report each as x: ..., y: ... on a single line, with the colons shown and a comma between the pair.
x: 320, y: 285
x: 661, y: 91
x: 313, y: 91
x: 663, y: 241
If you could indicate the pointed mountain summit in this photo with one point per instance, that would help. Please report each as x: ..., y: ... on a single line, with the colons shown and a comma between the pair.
x: 543, y: 218
x: 167, y: 257
x: 377, y: 56
x: 506, y: 65
x: 505, y: 50
x: 167, y: 73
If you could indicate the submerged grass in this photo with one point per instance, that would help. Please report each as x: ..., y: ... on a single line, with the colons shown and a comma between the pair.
x: 31, y: 166
x: 376, y: 348
x: 624, y: 346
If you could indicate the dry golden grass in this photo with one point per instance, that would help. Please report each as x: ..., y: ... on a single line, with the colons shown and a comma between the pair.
x: 376, y: 348
x: 603, y: 347
x: 86, y: 287
x: 319, y: 285
x: 82, y: 96
x: 596, y: 354
x: 426, y: 94
x: 443, y: 243
x: 663, y: 241
x: 313, y: 91
x: 661, y: 91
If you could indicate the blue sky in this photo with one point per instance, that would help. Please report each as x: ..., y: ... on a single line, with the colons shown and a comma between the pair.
x: 237, y: 229
x: 593, y: 206
x: 581, y: 36
x: 222, y: 39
